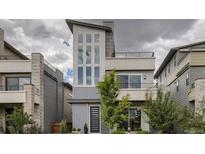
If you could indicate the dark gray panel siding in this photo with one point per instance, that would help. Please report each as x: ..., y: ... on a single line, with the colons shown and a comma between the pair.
x: 53, y: 97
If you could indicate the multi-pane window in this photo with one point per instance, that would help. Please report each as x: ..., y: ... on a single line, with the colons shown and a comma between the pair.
x: 177, y: 85
x: 17, y: 83
x: 97, y: 74
x: 130, y: 81
x: 88, y: 69
x: 88, y: 38
x: 88, y: 54
x: 88, y: 75
x: 97, y: 38
x: 80, y: 38
x: 80, y: 75
x: 97, y: 54
x: 187, y: 78
x: 80, y: 54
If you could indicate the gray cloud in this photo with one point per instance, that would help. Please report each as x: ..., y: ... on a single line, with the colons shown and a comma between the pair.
x: 47, y: 36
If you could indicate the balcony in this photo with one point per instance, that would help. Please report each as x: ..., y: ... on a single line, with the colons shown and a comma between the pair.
x: 138, y: 94
x: 12, y: 97
x: 13, y: 66
x: 131, y: 61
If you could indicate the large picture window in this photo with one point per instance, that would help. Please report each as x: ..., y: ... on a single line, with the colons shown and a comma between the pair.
x: 17, y: 83
x: 129, y: 81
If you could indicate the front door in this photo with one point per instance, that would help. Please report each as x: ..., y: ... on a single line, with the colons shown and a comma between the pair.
x: 94, y: 119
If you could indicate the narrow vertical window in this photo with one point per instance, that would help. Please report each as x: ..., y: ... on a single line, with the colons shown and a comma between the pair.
x: 88, y: 38
x: 175, y: 61
x: 187, y: 78
x: 168, y: 68
x: 88, y: 75
x: 80, y: 38
x: 80, y: 75
x: 88, y: 54
x: 80, y: 54
x: 97, y: 38
x: 165, y: 72
x: 97, y: 74
x: 177, y: 86
x: 97, y: 55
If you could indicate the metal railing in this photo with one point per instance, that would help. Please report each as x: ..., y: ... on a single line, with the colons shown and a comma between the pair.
x: 136, y: 85
x: 134, y: 54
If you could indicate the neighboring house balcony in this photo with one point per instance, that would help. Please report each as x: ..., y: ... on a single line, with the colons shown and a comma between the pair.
x: 131, y: 61
x: 137, y: 91
x: 14, y: 95
x: 8, y: 64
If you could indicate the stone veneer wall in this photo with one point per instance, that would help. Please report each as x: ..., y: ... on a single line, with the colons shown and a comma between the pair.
x: 200, y: 94
x: 37, y: 79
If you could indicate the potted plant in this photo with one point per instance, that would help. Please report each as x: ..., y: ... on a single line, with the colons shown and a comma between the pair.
x: 74, y: 131
x: 85, y: 128
x: 78, y: 130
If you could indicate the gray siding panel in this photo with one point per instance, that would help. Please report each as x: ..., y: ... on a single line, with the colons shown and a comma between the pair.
x: 85, y: 93
x: 80, y: 116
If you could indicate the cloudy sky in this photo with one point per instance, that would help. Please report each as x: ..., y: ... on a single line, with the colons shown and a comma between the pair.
x: 47, y: 37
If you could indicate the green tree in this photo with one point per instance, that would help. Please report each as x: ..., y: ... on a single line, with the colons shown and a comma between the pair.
x: 113, y: 111
x: 164, y: 114
x: 17, y: 120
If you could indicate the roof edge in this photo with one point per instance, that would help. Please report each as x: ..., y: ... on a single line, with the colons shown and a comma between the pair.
x: 70, y: 24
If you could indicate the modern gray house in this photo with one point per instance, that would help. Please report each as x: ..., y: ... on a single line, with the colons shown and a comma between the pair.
x: 32, y: 83
x: 182, y: 73
x: 94, y: 55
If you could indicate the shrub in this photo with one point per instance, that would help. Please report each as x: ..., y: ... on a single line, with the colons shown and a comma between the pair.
x: 78, y: 129
x: 63, y: 127
x: 121, y: 131
x: 32, y: 129
x: 74, y: 129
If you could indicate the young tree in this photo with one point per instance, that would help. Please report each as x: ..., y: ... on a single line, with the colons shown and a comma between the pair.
x: 163, y: 113
x: 113, y: 111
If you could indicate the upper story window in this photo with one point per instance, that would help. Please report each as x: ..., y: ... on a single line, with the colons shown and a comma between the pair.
x: 97, y: 74
x: 80, y: 75
x: 88, y: 38
x: 97, y: 54
x: 129, y: 81
x: 88, y: 54
x: 165, y: 72
x: 80, y: 54
x: 177, y: 85
x: 80, y: 38
x: 88, y: 75
x: 17, y: 83
x: 187, y: 78
x: 97, y: 38
x: 168, y: 68
x: 175, y: 61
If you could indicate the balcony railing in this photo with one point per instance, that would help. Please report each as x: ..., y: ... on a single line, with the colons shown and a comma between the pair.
x: 135, y: 85
x: 134, y: 54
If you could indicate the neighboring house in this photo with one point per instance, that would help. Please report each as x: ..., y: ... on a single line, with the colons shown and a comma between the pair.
x: 30, y: 83
x: 94, y: 55
x: 182, y: 73
x: 67, y: 106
